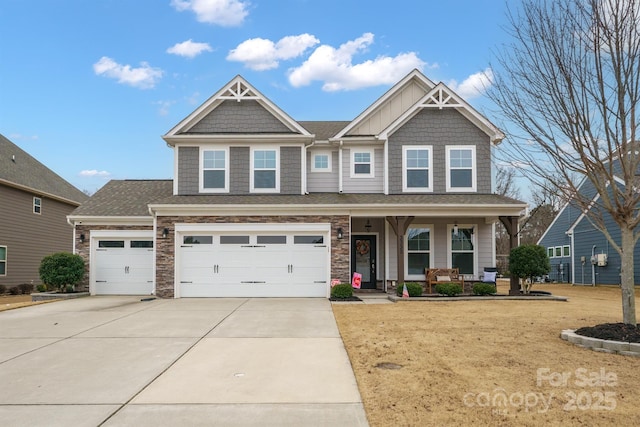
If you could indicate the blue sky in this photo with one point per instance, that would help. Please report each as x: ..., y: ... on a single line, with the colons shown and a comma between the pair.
x: 89, y: 86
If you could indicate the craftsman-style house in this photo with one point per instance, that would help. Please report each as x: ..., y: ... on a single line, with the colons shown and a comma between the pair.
x: 263, y: 205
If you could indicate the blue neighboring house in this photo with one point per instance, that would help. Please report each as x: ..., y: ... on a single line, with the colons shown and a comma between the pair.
x: 578, y: 252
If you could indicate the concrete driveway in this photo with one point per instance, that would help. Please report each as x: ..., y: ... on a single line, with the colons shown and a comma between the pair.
x: 120, y: 361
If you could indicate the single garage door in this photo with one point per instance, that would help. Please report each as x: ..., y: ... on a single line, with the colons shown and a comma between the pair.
x: 253, y: 265
x: 123, y: 266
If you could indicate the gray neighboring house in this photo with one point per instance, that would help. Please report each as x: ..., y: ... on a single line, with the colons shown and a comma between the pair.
x: 262, y: 205
x: 35, y: 203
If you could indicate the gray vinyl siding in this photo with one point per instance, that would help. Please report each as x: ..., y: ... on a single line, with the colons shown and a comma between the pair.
x: 243, y: 117
x: 290, y: 170
x: 363, y: 185
x: 323, y: 182
x: 440, y: 128
x: 239, y: 174
x: 30, y: 237
x: 439, y: 246
x: 188, y: 170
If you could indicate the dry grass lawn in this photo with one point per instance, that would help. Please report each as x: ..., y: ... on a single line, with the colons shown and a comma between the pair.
x: 8, y: 302
x: 483, y: 363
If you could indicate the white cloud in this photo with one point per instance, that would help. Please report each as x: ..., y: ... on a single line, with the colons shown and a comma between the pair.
x: 226, y: 13
x: 16, y: 136
x: 144, y: 77
x: 336, y: 69
x: 474, y: 85
x: 94, y: 173
x: 189, y: 48
x: 263, y: 54
x: 163, y: 107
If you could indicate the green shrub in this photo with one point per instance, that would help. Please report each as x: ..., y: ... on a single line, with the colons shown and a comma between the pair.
x: 527, y: 262
x: 14, y: 290
x: 449, y: 289
x: 414, y: 289
x: 41, y: 288
x: 343, y: 290
x: 25, y: 288
x: 484, y: 289
x: 61, y: 269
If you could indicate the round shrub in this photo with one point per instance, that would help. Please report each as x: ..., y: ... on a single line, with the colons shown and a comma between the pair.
x: 484, y: 289
x: 61, y: 269
x: 414, y: 289
x: 41, y: 288
x: 449, y: 289
x: 343, y: 290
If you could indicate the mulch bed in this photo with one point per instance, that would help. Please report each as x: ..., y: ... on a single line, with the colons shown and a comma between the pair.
x: 353, y: 298
x: 612, y: 332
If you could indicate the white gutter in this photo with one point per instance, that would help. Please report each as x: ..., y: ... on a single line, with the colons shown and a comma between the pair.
x: 385, y: 184
x: 340, y: 167
x: 304, y: 167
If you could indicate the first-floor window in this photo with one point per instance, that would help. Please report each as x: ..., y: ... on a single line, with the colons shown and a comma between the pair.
x: 37, y: 205
x: 462, y: 250
x: 550, y: 252
x: 566, y: 251
x: 418, y: 249
x: 3, y: 260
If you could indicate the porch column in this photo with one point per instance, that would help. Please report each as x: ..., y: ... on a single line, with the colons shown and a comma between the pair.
x: 400, y: 224
x: 511, y: 225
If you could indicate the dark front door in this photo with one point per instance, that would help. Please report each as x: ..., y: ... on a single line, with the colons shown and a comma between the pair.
x: 363, y: 259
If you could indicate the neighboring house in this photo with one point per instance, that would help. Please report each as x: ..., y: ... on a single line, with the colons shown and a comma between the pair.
x: 578, y: 252
x: 263, y: 205
x: 35, y: 204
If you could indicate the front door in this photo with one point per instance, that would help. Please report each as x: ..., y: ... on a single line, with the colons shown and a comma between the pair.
x: 363, y: 259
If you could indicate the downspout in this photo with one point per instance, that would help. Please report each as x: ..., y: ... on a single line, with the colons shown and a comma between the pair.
x: 340, y: 167
x: 386, y: 168
x: 593, y: 265
x: 304, y: 167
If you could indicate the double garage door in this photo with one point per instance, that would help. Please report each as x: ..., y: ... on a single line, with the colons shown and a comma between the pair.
x: 252, y: 264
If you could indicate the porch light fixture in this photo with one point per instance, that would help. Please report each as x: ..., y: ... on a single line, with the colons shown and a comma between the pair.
x: 340, y: 234
x: 165, y: 233
x: 367, y: 226
x: 455, y: 228
x: 82, y: 238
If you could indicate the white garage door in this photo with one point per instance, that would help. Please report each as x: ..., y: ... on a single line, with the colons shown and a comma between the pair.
x: 253, y: 265
x: 123, y: 266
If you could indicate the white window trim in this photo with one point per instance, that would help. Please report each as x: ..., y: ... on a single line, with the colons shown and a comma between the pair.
x: 553, y: 252
x: 38, y: 205
x: 5, y: 260
x: 313, y: 161
x: 371, y: 173
x: 474, y: 240
x: 406, y: 252
x: 265, y: 190
x: 568, y: 248
x: 226, y: 170
x: 405, y: 188
x: 474, y: 169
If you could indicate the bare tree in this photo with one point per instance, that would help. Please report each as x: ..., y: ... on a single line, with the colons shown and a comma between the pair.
x: 506, y: 182
x: 570, y: 83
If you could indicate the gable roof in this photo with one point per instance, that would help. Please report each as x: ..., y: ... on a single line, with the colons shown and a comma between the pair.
x: 323, y: 130
x: 124, y: 198
x: 238, y: 89
x: 20, y: 170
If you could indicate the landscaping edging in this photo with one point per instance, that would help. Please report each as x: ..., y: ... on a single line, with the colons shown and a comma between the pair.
x: 603, y: 346
x: 47, y: 296
x: 396, y: 298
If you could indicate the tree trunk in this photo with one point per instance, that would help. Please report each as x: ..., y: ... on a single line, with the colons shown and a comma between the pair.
x: 627, y: 277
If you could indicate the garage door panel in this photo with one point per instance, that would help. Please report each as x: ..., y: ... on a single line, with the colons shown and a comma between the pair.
x: 124, y: 267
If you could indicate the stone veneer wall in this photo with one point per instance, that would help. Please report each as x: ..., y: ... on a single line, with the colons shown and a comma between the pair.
x: 83, y: 248
x: 165, y: 256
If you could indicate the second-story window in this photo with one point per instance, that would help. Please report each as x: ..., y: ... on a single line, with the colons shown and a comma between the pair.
x: 37, y: 205
x: 418, y: 171
x: 214, y: 171
x: 461, y: 168
x: 321, y: 162
x: 361, y: 163
x: 264, y: 171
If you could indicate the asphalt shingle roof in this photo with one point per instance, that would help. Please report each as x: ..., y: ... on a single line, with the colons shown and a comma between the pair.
x: 324, y: 129
x: 19, y: 168
x: 125, y: 198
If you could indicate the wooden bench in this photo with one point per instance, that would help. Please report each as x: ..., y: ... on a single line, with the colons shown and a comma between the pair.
x: 443, y: 275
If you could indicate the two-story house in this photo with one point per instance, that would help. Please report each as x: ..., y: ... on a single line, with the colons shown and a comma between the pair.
x: 263, y: 205
x: 35, y: 203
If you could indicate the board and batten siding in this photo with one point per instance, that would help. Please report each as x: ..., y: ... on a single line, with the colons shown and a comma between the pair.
x: 363, y: 185
x: 30, y: 237
x: 440, y: 128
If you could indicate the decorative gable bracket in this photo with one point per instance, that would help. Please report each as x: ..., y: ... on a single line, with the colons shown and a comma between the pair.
x: 440, y: 98
x: 238, y: 91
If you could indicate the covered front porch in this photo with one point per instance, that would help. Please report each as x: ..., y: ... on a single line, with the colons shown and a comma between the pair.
x: 392, y: 249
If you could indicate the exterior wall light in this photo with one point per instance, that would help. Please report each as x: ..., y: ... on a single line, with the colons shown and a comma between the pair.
x: 82, y: 238
x: 165, y: 233
x: 340, y: 234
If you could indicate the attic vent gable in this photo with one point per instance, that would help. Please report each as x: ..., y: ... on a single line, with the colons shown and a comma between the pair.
x: 238, y: 91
